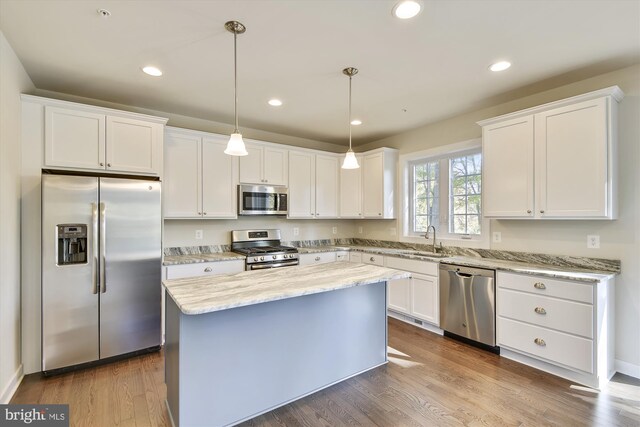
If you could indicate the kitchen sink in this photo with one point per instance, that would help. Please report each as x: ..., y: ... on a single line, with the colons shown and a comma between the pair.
x: 422, y: 253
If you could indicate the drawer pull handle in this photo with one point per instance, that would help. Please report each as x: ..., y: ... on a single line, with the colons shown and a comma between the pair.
x: 540, y: 310
x: 207, y: 270
x: 540, y: 342
x: 539, y: 285
x: 372, y: 259
x: 317, y: 258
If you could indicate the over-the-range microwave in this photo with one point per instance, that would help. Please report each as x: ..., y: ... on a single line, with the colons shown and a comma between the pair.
x: 262, y: 200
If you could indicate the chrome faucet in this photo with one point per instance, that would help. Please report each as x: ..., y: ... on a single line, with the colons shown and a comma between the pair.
x: 426, y: 236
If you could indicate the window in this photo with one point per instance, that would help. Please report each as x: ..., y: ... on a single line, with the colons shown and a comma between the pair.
x: 446, y: 192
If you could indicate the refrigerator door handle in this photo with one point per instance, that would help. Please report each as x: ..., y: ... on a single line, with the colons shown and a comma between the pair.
x: 103, y: 248
x: 94, y: 240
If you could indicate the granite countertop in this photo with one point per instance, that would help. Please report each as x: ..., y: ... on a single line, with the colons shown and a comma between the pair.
x: 197, y: 258
x: 319, y: 249
x: 205, y: 294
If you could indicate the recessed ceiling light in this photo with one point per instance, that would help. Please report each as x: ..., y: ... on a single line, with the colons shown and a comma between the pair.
x: 275, y: 102
x: 152, y: 71
x: 406, y: 9
x: 356, y: 122
x: 500, y: 66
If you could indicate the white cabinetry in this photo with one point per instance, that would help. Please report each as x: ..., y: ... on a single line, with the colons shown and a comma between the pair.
x: 317, y: 258
x: 81, y: 137
x: 418, y: 296
x: 265, y: 164
x: 204, y: 269
x: 572, y: 173
x: 313, y: 185
x: 379, y: 178
x: 560, y: 326
x: 351, y: 191
x: 199, y: 180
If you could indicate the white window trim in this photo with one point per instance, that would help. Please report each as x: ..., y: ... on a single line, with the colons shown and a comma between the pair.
x: 481, y: 242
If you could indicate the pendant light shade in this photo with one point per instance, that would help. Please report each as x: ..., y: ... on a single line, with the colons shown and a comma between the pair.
x: 235, y: 146
x: 350, y: 161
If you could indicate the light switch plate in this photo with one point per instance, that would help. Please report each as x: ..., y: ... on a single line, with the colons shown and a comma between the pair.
x: 593, y: 241
x: 296, y: 231
x: 199, y: 234
x: 360, y: 230
x: 497, y: 237
x: 334, y: 230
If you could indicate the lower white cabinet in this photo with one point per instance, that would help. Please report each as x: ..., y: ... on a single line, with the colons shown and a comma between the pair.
x: 417, y: 296
x: 204, y: 269
x: 560, y: 326
x: 342, y: 256
x: 373, y: 259
x: 317, y: 258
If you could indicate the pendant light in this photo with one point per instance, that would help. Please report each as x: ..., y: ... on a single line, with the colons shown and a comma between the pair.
x: 235, y: 146
x: 350, y: 161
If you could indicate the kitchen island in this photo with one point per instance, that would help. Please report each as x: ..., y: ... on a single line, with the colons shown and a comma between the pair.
x: 244, y: 344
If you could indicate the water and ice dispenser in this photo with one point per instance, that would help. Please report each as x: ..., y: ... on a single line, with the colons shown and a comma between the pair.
x: 72, y: 244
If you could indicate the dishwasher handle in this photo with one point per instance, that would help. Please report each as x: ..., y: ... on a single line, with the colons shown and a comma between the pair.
x: 465, y: 275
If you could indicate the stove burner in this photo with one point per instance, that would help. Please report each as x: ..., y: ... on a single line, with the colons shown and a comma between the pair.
x: 264, y: 251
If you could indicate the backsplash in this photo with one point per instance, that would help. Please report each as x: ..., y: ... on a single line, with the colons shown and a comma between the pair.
x: 605, y: 265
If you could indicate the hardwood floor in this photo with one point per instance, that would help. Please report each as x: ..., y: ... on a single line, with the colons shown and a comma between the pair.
x: 429, y: 381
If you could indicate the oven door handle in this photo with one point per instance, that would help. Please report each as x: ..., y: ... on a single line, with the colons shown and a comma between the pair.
x: 278, y: 264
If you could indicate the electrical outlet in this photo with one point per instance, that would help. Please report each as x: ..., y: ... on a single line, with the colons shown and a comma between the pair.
x: 296, y: 231
x: 593, y: 241
x: 199, y: 234
x: 335, y: 230
x: 360, y: 230
x: 497, y: 237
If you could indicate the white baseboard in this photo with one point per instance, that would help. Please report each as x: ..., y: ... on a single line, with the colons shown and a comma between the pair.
x: 12, y: 386
x: 628, y: 368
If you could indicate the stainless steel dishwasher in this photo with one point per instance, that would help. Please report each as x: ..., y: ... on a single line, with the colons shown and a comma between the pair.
x: 468, y: 304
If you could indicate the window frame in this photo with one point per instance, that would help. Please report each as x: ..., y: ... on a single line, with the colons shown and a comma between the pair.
x: 443, y: 155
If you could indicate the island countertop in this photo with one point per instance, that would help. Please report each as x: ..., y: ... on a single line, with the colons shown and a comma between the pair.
x: 205, y: 294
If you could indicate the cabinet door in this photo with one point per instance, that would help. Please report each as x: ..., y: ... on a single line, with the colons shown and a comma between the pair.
x: 425, y: 302
x: 327, y: 186
x: 571, y: 161
x: 275, y: 166
x: 182, y: 187
x: 373, y: 185
x: 74, y: 139
x: 251, y: 165
x: 507, y: 168
x: 302, y: 194
x: 398, y: 295
x: 219, y: 182
x: 351, y: 192
x: 133, y: 146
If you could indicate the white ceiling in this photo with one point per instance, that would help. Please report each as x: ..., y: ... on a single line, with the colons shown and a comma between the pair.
x: 433, y: 66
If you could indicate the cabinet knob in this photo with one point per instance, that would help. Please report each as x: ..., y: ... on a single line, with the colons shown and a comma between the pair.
x: 317, y: 258
x: 199, y: 213
x: 529, y: 211
x: 207, y: 270
x: 266, y: 180
x: 108, y: 165
x: 372, y: 259
x: 101, y: 164
x: 540, y: 310
x: 539, y: 285
x: 317, y: 214
x: 540, y: 342
x: 204, y: 213
x: 379, y: 213
x: 542, y: 212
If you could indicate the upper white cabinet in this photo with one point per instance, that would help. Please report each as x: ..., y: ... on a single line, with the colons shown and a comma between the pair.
x: 200, y: 181
x: 379, y: 179
x: 351, y: 191
x: 82, y: 137
x: 313, y: 185
x: 556, y: 161
x: 265, y: 164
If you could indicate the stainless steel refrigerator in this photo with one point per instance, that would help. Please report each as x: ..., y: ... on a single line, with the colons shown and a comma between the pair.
x: 101, y: 268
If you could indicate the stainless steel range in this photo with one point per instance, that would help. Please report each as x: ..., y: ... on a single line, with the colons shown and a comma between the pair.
x: 263, y: 249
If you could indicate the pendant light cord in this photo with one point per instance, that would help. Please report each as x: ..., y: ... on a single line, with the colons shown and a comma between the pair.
x: 350, y: 113
x: 235, y: 78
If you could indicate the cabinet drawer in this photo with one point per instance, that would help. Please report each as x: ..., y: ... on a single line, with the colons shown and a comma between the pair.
x: 373, y: 259
x: 317, y: 258
x: 554, y: 346
x: 355, y: 256
x: 415, y: 266
x: 204, y: 269
x: 567, y: 316
x: 547, y: 286
x: 342, y: 256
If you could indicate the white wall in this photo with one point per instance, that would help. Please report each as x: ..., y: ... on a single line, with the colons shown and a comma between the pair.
x: 620, y: 239
x: 13, y: 81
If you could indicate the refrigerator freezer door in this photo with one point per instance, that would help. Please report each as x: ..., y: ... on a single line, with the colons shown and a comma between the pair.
x: 69, y: 292
x: 130, y: 291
